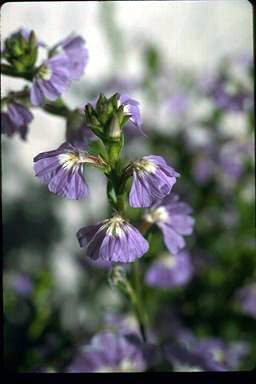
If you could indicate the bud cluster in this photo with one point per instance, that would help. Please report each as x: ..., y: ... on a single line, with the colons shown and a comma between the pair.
x: 108, y: 118
x: 21, y: 50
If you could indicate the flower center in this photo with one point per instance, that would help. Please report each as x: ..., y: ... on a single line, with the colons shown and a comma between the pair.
x: 73, y: 159
x: 218, y: 355
x: 115, y: 226
x: 145, y: 165
x: 168, y: 261
x: 158, y: 214
x: 45, y: 72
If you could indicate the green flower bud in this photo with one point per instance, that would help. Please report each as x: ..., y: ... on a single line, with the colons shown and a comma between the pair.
x: 114, y: 130
x: 21, y: 51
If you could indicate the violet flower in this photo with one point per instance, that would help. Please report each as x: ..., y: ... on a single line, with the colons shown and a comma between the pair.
x: 62, y: 170
x: 51, y: 80
x: 203, y: 169
x: 109, y: 352
x: 22, y: 285
x: 74, y: 47
x: 247, y: 297
x: 16, y: 119
x: 153, y: 179
x: 209, y: 354
x: 131, y: 106
x: 226, y: 356
x: 113, y: 240
x: 173, y: 218
x: 170, y: 270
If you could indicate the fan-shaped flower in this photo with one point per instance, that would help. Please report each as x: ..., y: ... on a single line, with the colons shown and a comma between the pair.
x: 51, y: 80
x: 170, y: 270
x: 109, y: 352
x: 153, y: 179
x: 74, y: 47
x: 113, y: 240
x: 62, y: 170
x: 173, y: 218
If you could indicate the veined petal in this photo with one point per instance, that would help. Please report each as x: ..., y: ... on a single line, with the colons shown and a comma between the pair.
x: 139, y: 195
x: 36, y: 94
x: 173, y: 241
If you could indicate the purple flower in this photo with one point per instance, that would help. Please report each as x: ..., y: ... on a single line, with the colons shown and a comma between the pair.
x: 178, y: 103
x: 113, y: 240
x: 247, y: 298
x: 231, y: 160
x: 74, y: 47
x: 228, y: 97
x: 226, y: 356
x: 190, y: 353
x: 131, y: 106
x: 153, y: 179
x: 109, y: 352
x: 62, y: 170
x: 51, y: 80
x: 173, y: 218
x: 203, y: 169
x: 170, y: 270
x: 22, y: 285
x: 16, y: 119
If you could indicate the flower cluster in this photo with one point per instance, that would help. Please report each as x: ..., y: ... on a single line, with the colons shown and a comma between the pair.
x: 109, y: 352
x: 115, y: 239
x: 67, y: 62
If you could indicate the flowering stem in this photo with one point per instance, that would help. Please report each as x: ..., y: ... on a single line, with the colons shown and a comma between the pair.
x: 141, y: 316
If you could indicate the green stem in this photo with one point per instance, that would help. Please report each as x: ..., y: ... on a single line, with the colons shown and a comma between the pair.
x: 56, y: 110
x: 141, y: 316
x: 10, y: 71
x: 138, y: 309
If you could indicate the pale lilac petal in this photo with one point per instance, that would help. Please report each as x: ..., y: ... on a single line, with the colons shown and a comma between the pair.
x: 7, y: 126
x: 36, y: 94
x: 182, y: 224
x: 19, y: 114
x: 173, y: 241
x: 76, y: 188
x: 179, y: 272
x: 46, y: 168
x: 139, y: 195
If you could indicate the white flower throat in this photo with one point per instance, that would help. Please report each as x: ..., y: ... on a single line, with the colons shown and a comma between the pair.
x: 145, y: 165
x: 158, y: 214
x: 74, y: 159
x: 115, y: 226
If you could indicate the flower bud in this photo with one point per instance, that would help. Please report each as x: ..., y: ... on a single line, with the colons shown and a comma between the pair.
x: 21, y: 50
x: 114, y: 131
